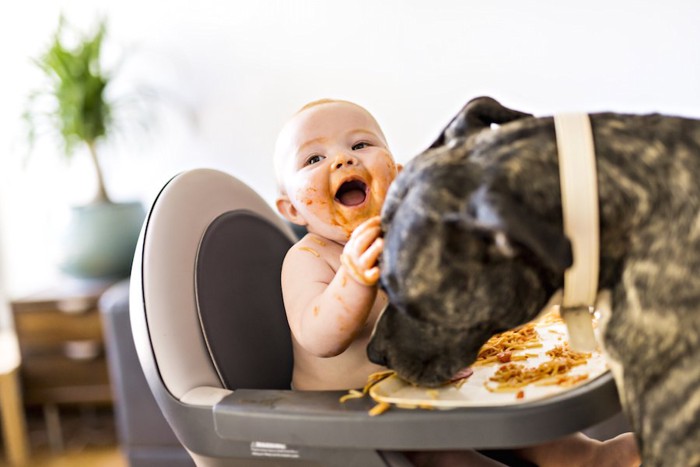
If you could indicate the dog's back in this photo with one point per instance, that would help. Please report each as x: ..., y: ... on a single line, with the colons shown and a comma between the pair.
x: 650, y: 168
x: 648, y: 171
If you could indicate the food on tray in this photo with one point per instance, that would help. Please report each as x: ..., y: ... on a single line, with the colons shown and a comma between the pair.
x: 372, y: 379
x: 513, y: 376
x: 500, y: 347
x: 516, y: 366
x: 379, y: 409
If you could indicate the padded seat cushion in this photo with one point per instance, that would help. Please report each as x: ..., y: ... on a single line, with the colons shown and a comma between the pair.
x: 239, y: 301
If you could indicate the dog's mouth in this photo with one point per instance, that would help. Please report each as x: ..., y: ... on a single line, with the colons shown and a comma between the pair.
x: 351, y: 193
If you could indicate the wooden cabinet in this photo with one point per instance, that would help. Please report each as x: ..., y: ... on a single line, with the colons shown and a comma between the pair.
x: 62, y: 346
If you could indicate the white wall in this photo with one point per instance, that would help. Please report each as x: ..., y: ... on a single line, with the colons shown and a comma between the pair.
x: 233, y: 71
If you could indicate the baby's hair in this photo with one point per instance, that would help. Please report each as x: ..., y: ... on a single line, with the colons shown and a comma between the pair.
x: 324, y: 101
x: 277, y: 156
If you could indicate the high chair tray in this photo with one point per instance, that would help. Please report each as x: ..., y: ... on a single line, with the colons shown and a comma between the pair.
x: 318, y: 418
x: 482, y: 414
x: 538, y: 363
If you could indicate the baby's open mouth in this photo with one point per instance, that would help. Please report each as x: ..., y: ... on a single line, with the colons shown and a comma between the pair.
x: 351, y: 193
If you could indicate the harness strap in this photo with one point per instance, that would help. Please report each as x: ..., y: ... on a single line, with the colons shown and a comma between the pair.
x: 579, y: 192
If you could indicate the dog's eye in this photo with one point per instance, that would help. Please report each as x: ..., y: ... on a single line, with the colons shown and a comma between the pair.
x: 471, y: 210
x: 484, y: 236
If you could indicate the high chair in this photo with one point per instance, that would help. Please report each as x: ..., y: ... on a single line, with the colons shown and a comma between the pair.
x: 212, y: 338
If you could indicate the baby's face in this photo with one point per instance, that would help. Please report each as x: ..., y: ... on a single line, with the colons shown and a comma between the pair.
x: 336, y: 170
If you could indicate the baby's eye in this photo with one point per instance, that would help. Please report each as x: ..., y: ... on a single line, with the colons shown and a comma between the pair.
x: 360, y: 145
x: 313, y: 159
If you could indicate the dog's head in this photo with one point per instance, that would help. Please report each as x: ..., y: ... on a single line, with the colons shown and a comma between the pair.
x: 463, y: 259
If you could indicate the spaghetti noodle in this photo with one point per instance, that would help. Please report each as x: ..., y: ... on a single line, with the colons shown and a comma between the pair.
x: 500, y: 348
x: 513, y: 376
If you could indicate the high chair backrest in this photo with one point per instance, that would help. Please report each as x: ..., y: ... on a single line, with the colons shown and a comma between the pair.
x: 212, y: 252
x: 240, y: 301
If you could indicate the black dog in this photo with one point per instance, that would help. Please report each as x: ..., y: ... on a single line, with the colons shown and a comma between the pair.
x: 474, y: 245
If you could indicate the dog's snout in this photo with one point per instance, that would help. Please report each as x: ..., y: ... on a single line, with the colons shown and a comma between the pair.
x: 375, y: 355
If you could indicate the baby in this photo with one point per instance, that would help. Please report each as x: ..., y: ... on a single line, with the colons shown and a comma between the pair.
x: 334, y: 168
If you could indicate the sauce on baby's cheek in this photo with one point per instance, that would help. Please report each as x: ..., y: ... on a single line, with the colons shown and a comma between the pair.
x: 307, y: 195
x: 323, y: 205
x: 325, y: 209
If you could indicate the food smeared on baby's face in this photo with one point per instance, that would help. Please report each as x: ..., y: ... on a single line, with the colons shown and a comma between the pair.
x: 338, y: 168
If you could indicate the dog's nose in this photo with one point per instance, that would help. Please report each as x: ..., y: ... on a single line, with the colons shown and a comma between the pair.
x: 376, y: 356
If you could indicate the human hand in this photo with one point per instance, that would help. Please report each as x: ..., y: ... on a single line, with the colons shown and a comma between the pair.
x: 362, y: 251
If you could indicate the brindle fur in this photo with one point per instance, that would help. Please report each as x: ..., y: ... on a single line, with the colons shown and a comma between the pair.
x: 475, y: 245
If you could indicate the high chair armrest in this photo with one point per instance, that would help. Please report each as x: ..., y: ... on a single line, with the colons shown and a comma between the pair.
x: 318, y: 418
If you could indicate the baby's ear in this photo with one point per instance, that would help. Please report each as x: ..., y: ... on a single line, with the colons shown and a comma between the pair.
x: 288, y: 211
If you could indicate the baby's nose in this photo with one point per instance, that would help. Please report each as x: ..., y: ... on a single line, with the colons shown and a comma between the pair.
x: 343, y: 160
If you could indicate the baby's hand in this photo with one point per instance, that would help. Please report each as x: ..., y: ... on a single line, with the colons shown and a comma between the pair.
x: 362, y: 251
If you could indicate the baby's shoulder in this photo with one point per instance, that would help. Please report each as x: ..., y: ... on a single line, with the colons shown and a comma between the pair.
x: 313, y: 248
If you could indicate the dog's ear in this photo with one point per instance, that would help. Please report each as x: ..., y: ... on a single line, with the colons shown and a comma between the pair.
x: 511, y: 224
x: 477, y: 115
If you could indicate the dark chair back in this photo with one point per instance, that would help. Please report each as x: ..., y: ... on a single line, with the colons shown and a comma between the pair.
x: 239, y: 301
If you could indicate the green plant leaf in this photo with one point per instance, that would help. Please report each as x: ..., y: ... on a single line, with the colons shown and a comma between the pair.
x: 76, y: 84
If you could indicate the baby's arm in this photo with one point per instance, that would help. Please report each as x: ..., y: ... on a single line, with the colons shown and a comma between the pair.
x: 327, y: 309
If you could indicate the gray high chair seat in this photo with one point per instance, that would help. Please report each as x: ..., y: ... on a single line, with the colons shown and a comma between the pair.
x: 212, y: 338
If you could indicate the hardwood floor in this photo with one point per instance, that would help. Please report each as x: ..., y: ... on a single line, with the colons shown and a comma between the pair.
x: 88, y: 439
x: 108, y: 456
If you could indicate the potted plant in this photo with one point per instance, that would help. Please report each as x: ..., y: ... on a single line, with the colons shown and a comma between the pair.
x: 101, y: 235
